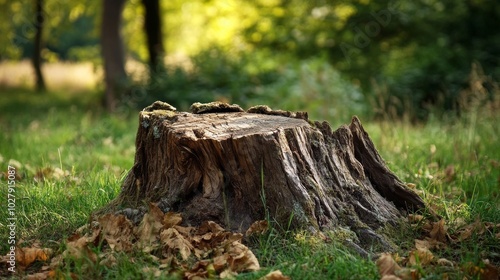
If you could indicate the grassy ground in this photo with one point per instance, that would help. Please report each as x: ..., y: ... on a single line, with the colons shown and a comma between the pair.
x: 71, y: 157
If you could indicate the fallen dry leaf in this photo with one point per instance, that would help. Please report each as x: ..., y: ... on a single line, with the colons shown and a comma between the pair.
x: 422, y: 244
x: 152, y: 271
x: 228, y: 274
x: 117, y: 231
x: 407, y: 273
x: 420, y: 256
x: 489, y: 272
x: 174, y: 241
x: 198, y: 271
x: 275, y: 275
x: 108, y: 259
x: 386, y: 265
x: 241, y: 258
x: 449, y: 173
x: 415, y: 218
x: 429, y: 244
x: 41, y: 275
x: 26, y: 256
x: 438, y: 231
x: 171, y: 219
x: 149, y: 229
x: 77, y: 247
x: 476, y: 227
x: 471, y: 269
x: 209, y: 226
x: 220, y: 262
x: 219, y: 253
x: 258, y: 227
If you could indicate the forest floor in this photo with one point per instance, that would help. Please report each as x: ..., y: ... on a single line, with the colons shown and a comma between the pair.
x: 70, y: 158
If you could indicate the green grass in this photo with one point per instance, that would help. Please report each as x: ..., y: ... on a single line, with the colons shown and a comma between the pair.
x: 55, y: 134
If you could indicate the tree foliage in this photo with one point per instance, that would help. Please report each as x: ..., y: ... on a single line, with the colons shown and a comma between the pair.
x: 409, y: 52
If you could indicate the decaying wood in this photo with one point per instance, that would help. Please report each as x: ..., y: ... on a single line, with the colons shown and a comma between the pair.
x: 235, y: 167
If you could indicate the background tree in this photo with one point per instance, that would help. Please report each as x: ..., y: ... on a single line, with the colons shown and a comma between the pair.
x: 418, y: 54
x: 154, y: 36
x: 113, y: 52
x: 37, y: 50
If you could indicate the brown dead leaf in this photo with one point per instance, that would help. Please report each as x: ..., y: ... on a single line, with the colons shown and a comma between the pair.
x: 420, y: 257
x: 407, y: 273
x: 77, y: 248
x: 171, y: 219
x: 199, y: 270
x: 220, y: 262
x: 415, y: 218
x: 438, y: 231
x: 422, y: 244
x: 275, y: 275
x: 429, y: 243
x: 386, y: 265
x: 108, y: 259
x: 427, y: 226
x: 489, y: 272
x: 174, y: 241
x: 258, y: 227
x: 41, y: 275
x: 149, y: 229
x: 477, y: 227
x: 26, y: 256
x: 209, y: 226
x: 152, y: 271
x: 185, y: 231
x: 241, y: 258
x: 117, y: 231
x: 51, y: 173
x: 471, y: 269
x: 449, y: 173
x: 228, y: 274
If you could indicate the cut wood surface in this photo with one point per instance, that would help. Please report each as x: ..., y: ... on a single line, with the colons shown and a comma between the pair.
x: 235, y: 167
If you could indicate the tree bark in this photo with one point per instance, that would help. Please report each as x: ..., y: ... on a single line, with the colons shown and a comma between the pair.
x: 37, y: 50
x: 113, y: 52
x: 153, y: 30
x: 234, y: 167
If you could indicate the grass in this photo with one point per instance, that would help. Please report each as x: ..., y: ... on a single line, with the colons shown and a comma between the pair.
x: 71, y: 158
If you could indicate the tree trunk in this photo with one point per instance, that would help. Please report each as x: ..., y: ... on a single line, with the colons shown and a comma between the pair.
x: 37, y: 50
x: 112, y: 52
x: 234, y: 167
x: 152, y: 28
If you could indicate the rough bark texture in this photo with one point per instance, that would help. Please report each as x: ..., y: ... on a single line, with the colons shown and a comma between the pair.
x: 236, y: 167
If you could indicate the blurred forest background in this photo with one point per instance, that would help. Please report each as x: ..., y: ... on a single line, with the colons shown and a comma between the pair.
x: 422, y: 76
x: 379, y: 59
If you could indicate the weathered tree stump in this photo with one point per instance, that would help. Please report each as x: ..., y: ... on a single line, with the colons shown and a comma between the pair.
x: 234, y: 167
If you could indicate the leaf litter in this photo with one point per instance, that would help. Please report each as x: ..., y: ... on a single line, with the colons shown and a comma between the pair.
x: 437, y: 237
x: 207, y: 251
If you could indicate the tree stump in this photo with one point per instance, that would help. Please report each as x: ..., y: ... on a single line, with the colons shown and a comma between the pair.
x: 234, y: 167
